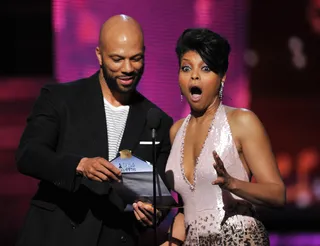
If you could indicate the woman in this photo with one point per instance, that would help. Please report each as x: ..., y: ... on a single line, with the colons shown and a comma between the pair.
x: 216, y: 150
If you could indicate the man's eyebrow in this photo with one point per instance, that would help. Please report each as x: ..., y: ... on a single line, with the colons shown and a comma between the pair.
x: 113, y: 55
x: 139, y: 54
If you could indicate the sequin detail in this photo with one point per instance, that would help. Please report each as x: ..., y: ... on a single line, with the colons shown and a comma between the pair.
x: 248, y: 232
x: 192, y: 186
x: 208, y: 209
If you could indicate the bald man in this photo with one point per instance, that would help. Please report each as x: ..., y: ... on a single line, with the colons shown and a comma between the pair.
x: 72, y: 133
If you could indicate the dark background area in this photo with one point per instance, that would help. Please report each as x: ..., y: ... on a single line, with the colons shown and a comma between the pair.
x: 26, y: 40
x: 285, y: 98
x: 271, y: 25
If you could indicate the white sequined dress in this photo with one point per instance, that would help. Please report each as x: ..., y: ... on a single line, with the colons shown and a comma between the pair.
x: 214, y: 216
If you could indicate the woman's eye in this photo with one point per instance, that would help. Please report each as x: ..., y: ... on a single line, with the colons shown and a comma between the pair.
x: 185, y: 68
x: 206, y: 68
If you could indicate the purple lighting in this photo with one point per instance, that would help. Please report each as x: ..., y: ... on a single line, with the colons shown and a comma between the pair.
x: 76, y: 30
x: 306, y: 239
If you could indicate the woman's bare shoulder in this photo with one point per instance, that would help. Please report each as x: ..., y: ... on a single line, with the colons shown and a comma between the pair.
x: 239, y: 114
x: 241, y: 118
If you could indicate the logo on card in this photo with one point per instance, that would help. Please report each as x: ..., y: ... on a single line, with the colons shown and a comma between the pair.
x: 129, y: 163
x: 127, y: 167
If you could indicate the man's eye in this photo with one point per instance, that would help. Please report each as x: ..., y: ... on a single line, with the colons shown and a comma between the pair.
x: 137, y: 59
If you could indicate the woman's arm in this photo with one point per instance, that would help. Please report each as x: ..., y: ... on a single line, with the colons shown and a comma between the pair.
x: 257, y: 154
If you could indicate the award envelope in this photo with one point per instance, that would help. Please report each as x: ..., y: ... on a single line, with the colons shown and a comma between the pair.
x: 137, y: 182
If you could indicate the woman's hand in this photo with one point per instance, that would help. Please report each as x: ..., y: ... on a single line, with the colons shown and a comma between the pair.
x: 224, y: 180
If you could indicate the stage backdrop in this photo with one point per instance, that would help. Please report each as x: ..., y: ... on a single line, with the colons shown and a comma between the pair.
x: 283, y: 46
x: 77, y: 23
x: 283, y: 59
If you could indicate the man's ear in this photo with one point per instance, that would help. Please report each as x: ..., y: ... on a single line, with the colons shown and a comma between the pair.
x: 99, y: 56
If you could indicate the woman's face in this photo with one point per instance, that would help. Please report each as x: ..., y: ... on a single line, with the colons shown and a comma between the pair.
x: 198, y: 83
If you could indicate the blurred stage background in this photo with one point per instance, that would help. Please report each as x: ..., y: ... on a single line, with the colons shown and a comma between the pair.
x: 273, y: 70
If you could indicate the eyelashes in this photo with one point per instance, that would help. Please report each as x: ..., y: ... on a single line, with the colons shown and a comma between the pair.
x: 188, y: 68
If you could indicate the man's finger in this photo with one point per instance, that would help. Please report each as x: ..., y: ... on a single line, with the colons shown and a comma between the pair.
x: 106, y: 172
x: 136, y: 215
x: 138, y: 211
x: 110, y: 166
x: 103, y: 173
x: 148, y: 210
x: 93, y: 177
x: 100, y: 175
x: 138, y: 218
x: 111, y: 175
x: 142, y: 215
x: 147, y: 213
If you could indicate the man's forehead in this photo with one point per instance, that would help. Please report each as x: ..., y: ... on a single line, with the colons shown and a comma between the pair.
x: 124, y: 51
x: 124, y: 38
x: 124, y: 43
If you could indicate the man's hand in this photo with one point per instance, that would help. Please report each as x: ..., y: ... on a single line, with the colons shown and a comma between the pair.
x: 98, y: 169
x: 144, y: 213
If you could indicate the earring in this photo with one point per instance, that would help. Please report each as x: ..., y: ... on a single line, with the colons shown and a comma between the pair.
x: 181, y: 97
x: 221, y: 90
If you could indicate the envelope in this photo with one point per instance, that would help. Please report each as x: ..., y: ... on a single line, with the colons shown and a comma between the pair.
x: 137, y: 182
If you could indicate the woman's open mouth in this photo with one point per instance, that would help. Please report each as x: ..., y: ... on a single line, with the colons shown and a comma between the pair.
x: 196, y: 93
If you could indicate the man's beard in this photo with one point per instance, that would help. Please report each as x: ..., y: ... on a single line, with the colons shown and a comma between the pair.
x: 114, y: 86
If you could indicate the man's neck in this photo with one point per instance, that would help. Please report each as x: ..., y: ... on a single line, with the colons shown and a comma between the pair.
x: 114, y: 98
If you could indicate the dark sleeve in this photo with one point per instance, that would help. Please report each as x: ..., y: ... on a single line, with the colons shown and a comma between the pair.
x: 36, y: 155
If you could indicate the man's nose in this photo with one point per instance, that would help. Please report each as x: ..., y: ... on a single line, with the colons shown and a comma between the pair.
x: 127, y: 67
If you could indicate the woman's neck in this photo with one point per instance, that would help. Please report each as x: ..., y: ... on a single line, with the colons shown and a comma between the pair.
x: 208, y: 113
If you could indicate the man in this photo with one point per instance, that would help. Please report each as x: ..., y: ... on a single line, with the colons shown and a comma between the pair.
x: 72, y: 132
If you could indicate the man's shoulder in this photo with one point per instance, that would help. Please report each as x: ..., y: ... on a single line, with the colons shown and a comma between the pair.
x: 65, y: 88
x: 149, y: 104
x: 68, y: 85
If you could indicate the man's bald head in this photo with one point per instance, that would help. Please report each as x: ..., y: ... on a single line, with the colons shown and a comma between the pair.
x: 121, y: 53
x: 120, y: 28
